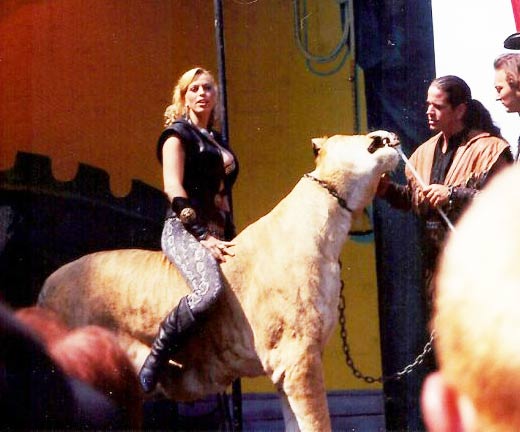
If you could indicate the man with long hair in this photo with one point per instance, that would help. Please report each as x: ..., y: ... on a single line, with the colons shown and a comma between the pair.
x: 455, y: 164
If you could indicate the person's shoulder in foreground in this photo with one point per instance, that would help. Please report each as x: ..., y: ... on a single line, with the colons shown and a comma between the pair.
x: 476, y: 317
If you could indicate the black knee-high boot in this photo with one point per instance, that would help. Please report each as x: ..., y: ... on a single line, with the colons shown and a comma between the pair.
x: 172, y: 334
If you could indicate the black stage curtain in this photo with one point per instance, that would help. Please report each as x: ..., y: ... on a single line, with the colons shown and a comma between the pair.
x: 394, y: 40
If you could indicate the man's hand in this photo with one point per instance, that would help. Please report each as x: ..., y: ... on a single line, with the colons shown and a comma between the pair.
x: 384, y: 183
x: 437, y: 195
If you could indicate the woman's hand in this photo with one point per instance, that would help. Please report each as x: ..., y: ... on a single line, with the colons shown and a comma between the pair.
x: 218, y: 248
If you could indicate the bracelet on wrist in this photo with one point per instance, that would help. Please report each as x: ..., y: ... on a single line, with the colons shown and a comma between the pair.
x: 451, y: 194
x: 188, y: 216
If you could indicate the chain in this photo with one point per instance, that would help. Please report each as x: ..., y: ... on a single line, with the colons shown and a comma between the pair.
x: 350, y: 362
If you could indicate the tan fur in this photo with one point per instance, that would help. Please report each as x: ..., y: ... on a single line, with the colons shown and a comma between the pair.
x: 280, y: 305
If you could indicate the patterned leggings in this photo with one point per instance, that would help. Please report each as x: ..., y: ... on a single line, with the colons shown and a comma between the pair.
x: 196, y: 264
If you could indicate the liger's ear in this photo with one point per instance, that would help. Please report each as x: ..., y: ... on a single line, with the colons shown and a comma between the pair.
x: 317, y: 143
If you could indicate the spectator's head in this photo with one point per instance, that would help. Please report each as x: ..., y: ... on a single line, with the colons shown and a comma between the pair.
x: 45, y: 323
x: 93, y: 355
x: 507, y: 80
x: 476, y: 317
x: 35, y: 393
x: 90, y: 354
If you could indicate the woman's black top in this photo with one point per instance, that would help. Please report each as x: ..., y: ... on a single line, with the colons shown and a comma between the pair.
x: 204, y: 173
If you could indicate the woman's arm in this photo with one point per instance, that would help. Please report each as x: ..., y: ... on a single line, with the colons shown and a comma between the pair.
x: 173, y: 168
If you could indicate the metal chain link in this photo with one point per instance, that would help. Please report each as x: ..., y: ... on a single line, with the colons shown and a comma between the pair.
x: 350, y: 362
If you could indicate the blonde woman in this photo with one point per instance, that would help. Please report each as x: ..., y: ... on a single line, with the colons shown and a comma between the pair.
x: 199, y: 170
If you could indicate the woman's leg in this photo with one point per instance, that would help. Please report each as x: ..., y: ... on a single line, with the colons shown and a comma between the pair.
x: 195, y: 262
x: 202, y: 273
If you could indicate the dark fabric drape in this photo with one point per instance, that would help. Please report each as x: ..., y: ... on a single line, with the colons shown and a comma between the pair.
x: 394, y: 40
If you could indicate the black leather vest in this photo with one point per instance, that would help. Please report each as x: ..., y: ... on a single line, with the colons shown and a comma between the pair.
x: 203, y: 171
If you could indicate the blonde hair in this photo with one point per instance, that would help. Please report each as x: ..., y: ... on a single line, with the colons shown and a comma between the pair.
x: 510, y: 64
x: 476, y: 316
x: 177, y: 108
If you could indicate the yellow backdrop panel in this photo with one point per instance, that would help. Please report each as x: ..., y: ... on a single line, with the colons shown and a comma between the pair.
x: 88, y: 82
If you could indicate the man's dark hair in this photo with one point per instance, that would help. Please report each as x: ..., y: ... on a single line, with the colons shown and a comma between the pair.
x: 458, y: 92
